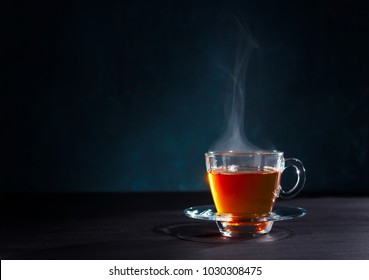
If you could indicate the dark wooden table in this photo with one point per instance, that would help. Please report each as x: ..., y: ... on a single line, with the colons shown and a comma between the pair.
x: 152, y: 226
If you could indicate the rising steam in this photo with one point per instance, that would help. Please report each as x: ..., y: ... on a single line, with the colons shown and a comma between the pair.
x: 233, y: 138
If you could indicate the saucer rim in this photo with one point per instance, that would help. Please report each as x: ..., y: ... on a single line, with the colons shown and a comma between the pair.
x: 226, y: 218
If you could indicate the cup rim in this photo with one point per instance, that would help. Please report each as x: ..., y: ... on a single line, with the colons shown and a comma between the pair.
x: 236, y: 153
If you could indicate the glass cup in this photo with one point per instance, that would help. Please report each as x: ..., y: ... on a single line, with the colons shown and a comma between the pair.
x: 245, y: 186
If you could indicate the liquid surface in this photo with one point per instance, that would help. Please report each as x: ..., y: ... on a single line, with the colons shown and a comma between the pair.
x: 244, y: 192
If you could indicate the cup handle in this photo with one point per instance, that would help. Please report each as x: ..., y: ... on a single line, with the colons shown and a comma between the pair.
x: 300, y: 171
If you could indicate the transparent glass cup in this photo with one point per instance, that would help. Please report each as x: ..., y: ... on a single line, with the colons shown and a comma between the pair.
x: 245, y: 186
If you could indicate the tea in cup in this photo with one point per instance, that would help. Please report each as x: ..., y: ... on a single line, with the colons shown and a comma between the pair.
x: 245, y: 186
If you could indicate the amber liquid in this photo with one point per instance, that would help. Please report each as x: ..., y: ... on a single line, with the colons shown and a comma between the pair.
x: 250, y: 192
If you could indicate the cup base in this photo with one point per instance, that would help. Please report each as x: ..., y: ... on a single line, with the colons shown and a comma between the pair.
x: 244, y: 229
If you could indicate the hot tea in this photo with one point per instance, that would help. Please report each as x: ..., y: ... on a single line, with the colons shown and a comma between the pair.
x: 245, y: 186
x: 246, y: 192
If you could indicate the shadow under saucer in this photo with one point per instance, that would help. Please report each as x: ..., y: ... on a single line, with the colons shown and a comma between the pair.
x: 209, y: 233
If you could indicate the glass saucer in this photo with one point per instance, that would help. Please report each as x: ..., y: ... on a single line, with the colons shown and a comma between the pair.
x: 238, y: 226
x: 208, y: 212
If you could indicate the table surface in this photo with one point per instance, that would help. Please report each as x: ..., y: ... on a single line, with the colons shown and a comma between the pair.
x: 153, y: 226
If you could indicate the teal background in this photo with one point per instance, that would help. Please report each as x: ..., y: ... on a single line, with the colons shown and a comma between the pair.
x: 128, y: 95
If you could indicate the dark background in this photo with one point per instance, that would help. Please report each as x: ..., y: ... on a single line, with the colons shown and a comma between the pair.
x: 128, y: 95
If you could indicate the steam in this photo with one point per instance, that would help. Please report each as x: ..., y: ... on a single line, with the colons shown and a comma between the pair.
x: 233, y: 138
